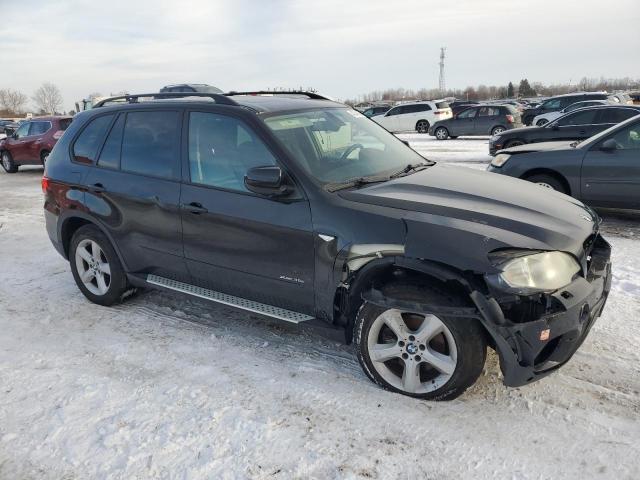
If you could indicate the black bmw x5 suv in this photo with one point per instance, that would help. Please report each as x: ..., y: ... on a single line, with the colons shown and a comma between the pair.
x: 302, y: 209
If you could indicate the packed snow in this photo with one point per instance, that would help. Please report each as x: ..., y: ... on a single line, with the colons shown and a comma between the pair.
x: 164, y: 386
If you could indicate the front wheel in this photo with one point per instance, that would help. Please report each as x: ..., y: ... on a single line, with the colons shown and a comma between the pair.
x: 441, y: 133
x: 96, y: 267
x: 497, y: 131
x: 514, y: 143
x: 7, y: 163
x: 44, y: 155
x: 542, y: 122
x: 422, y: 126
x: 547, y: 181
x: 426, y: 356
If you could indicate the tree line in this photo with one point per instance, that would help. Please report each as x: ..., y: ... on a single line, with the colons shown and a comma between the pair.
x: 523, y: 89
x: 47, y: 100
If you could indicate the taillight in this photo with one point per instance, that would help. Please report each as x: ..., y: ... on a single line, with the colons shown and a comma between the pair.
x: 45, y: 184
x: 510, y: 118
x: 58, y: 134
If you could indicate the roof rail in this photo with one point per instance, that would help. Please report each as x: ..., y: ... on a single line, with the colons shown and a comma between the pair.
x: 311, y: 95
x: 220, y: 98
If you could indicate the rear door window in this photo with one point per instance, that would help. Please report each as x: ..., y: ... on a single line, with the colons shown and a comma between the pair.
x: 39, y: 128
x: 86, y: 146
x: 64, y: 123
x: 110, y: 155
x: 488, y: 112
x: 616, y: 115
x: 579, y: 118
x: 150, y: 143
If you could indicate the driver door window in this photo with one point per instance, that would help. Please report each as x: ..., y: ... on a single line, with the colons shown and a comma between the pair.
x: 23, y: 131
x: 222, y: 149
x: 579, y: 118
x: 628, y: 138
x: 469, y: 113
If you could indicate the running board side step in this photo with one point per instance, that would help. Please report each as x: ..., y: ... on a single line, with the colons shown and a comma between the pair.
x: 232, y: 301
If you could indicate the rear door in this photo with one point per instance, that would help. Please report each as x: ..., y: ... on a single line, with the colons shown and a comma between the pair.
x: 611, y: 178
x: 134, y: 189
x: 236, y: 241
x: 36, y: 138
x: 465, y: 122
x: 488, y: 117
x: 580, y: 124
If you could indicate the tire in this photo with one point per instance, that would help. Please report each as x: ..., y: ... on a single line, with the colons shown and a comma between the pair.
x: 541, y: 122
x: 514, y: 143
x: 459, y: 346
x: 453, y: 137
x: 441, y: 133
x: 497, y: 130
x: 547, y: 181
x: 422, y: 126
x: 82, y: 258
x: 7, y: 163
x: 43, y: 156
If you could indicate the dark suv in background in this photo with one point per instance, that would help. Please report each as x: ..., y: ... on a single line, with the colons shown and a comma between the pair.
x: 478, y: 120
x: 302, y: 209
x: 559, y: 102
x: 32, y: 142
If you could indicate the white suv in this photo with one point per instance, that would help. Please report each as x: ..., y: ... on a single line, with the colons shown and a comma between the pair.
x: 415, y: 116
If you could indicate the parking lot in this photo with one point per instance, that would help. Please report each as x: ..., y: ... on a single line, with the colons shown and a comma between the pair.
x: 167, y: 387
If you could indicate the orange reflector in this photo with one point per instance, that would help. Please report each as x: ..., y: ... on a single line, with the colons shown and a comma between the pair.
x: 544, y: 335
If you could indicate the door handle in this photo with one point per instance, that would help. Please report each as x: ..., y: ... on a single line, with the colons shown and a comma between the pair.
x: 195, y: 208
x: 96, y: 188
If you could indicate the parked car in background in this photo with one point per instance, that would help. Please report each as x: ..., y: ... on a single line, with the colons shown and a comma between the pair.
x: 378, y: 110
x: 545, y: 118
x: 622, y: 98
x: 32, y: 142
x: 603, y: 171
x: 478, y: 120
x: 458, y: 105
x: 415, y: 116
x: 635, y: 97
x: 577, y: 125
x: 559, y: 102
x: 304, y: 210
x: 190, y: 87
x: 8, y: 126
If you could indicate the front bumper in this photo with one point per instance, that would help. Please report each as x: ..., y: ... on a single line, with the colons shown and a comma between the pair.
x: 532, y: 349
x: 495, y: 144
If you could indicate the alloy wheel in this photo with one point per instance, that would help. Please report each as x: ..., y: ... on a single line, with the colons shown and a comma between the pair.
x: 93, y: 267
x: 441, y: 134
x: 414, y: 353
x: 498, y: 131
x: 422, y: 127
x: 6, y: 163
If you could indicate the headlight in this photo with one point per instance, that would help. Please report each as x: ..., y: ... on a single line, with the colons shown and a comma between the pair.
x: 500, y: 159
x: 540, y: 272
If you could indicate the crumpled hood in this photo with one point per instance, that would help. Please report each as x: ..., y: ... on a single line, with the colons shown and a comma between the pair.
x: 457, y: 215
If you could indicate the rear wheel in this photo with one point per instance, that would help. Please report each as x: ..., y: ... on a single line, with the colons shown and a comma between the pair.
x: 547, y: 181
x: 422, y: 126
x: 7, y: 163
x: 541, y: 122
x: 497, y: 130
x: 441, y: 133
x: 96, y: 267
x: 425, y: 356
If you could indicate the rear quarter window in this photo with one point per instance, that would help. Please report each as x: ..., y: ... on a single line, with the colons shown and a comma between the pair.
x: 442, y: 105
x: 85, y: 147
x: 64, y: 123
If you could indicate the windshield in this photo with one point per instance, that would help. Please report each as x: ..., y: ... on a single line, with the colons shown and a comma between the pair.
x: 338, y: 144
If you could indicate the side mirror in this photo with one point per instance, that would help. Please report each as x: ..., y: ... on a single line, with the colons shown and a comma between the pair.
x: 609, y: 145
x: 268, y: 181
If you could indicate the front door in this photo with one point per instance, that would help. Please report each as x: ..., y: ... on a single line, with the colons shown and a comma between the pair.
x: 465, y: 122
x: 17, y: 143
x: 611, y: 178
x: 134, y: 188
x: 235, y: 241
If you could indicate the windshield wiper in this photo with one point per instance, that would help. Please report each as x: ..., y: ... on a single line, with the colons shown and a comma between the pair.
x: 412, y: 167
x: 355, y: 182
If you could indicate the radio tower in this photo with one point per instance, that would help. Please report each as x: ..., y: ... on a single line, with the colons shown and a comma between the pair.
x: 443, y: 87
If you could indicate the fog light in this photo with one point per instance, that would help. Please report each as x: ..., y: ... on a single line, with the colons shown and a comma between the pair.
x: 544, y: 334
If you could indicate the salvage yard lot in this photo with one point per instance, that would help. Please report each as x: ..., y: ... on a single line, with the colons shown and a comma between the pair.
x: 167, y: 387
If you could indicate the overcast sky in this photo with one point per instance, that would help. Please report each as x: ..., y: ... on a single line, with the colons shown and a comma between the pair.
x: 341, y: 47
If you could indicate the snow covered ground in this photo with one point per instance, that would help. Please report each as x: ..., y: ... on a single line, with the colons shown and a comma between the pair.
x: 168, y: 387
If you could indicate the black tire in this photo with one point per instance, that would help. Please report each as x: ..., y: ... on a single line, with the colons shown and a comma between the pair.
x: 548, y: 181
x: 422, y: 126
x: 542, y: 122
x: 7, y: 163
x: 514, y: 143
x: 453, y: 137
x: 43, y: 156
x: 497, y: 130
x: 470, y: 341
x: 444, y: 133
x: 118, y: 279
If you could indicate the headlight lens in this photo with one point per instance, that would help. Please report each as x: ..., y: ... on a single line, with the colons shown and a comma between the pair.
x: 500, y: 159
x: 546, y: 271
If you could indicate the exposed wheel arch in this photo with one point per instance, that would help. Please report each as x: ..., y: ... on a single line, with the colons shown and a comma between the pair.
x: 552, y: 173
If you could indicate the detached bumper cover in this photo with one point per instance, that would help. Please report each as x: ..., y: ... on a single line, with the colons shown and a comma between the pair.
x: 531, y: 350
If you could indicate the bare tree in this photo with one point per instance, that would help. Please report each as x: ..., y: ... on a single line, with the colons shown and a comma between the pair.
x: 12, y: 100
x: 48, y: 98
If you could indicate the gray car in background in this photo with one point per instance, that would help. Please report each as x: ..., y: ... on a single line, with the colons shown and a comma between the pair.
x: 478, y: 120
x: 602, y: 171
